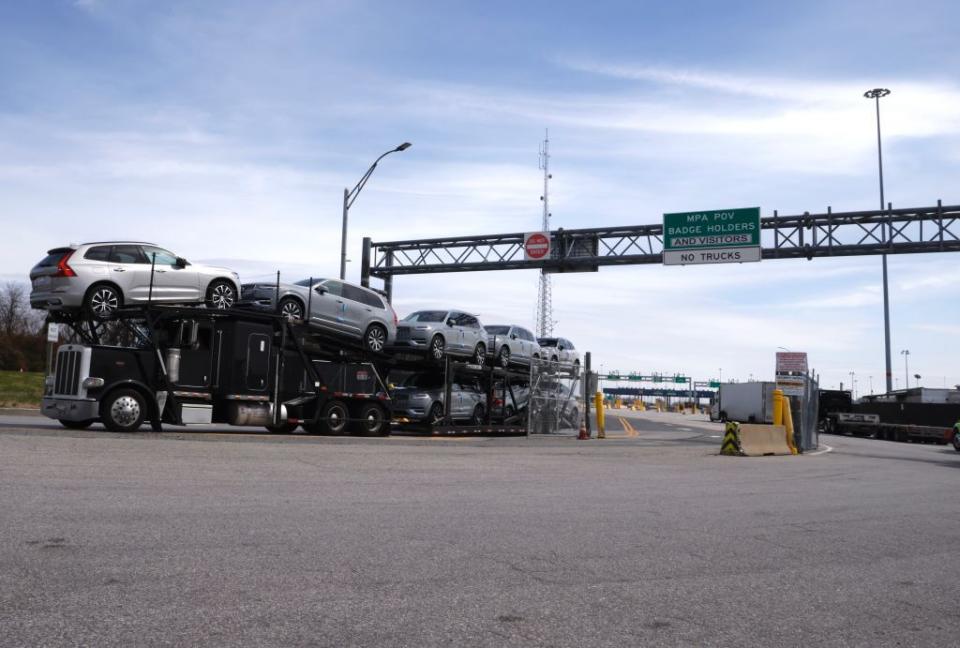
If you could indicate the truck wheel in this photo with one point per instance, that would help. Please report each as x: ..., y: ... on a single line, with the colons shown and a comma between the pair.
x: 76, y: 425
x: 335, y: 417
x: 372, y: 421
x: 123, y: 410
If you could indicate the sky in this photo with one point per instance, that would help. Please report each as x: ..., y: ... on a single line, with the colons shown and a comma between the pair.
x: 226, y: 131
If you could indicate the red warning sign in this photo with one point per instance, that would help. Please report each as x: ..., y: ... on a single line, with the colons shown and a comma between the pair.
x: 536, y: 246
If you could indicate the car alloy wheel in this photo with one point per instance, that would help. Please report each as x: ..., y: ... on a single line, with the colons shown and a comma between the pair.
x: 376, y: 338
x: 504, y: 357
x: 436, y: 414
x: 477, y: 415
x: 221, y: 295
x: 480, y: 354
x: 104, y: 301
x: 437, y: 347
x: 291, y: 309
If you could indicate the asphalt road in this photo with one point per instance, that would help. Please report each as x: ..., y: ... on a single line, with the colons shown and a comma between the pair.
x: 645, y: 538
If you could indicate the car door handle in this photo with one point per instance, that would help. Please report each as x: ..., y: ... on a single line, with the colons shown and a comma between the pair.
x: 159, y: 270
x: 119, y: 270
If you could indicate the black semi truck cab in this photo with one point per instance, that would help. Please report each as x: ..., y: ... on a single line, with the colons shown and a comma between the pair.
x: 203, y: 366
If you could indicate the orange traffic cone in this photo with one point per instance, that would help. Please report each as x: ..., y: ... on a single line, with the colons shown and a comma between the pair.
x: 583, y: 436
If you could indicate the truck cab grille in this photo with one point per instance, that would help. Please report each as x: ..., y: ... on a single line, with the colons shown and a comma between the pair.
x: 71, y: 370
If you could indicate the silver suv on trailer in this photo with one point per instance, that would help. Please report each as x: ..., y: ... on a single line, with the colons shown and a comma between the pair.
x: 421, y: 397
x: 559, y: 350
x: 336, y: 306
x: 102, y: 277
x: 442, y: 332
x: 512, y: 344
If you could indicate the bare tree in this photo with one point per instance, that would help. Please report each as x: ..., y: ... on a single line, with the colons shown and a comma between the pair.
x: 16, y: 317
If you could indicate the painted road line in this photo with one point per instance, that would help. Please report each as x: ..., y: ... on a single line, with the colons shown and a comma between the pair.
x: 825, y: 450
x: 631, y: 432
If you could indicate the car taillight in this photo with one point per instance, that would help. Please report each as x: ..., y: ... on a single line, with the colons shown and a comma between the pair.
x: 63, y: 270
x: 395, y: 320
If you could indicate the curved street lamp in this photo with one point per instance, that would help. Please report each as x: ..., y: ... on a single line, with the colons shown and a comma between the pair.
x: 876, y: 94
x: 350, y: 196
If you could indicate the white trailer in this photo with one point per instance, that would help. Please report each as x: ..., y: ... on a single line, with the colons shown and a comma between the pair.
x: 749, y: 402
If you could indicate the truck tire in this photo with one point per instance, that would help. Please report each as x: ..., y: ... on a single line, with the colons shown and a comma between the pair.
x: 284, y: 428
x: 123, y: 410
x: 336, y: 417
x: 372, y: 420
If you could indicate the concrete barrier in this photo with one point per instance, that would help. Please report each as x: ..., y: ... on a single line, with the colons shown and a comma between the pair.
x: 760, y: 440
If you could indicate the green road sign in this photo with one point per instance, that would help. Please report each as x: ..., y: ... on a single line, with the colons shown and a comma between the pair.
x: 714, y: 384
x: 713, y: 236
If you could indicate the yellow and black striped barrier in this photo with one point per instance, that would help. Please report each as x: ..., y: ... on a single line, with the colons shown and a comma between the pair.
x: 731, y: 440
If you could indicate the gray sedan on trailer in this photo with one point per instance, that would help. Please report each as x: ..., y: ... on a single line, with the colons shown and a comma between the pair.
x: 335, y: 306
x: 442, y: 332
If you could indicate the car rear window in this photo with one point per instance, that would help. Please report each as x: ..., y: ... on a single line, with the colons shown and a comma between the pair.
x: 53, y: 257
x: 372, y: 300
x: 497, y: 330
x: 426, y: 316
x: 548, y: 342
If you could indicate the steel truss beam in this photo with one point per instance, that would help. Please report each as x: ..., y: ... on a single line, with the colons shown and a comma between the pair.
x: 890, y: 231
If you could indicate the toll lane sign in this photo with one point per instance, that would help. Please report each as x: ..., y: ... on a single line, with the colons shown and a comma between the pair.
x: 713, y: 236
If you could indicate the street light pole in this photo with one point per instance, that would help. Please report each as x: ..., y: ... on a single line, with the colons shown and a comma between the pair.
x: 906, y: 367
x: 349, y: 197
x: 876, y: 94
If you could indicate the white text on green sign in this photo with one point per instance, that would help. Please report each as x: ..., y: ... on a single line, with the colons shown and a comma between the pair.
x: 712, y: 229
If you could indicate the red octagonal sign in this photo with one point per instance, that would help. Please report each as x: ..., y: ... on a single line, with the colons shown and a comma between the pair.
x: 536, y: 245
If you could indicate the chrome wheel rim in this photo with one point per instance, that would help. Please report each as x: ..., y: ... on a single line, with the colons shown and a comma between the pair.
x: 436, y: 348
x: 336, y: 419
x: 374, y: 420
x: 291, y: 310
x: 504, y: 357
x: 104, y: 301
x: 480, y: 354
x: 125, y: 411
x: 376, y: 338
x: 222, y: 296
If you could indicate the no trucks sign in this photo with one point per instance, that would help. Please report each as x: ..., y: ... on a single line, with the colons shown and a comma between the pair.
x: 714, y: 236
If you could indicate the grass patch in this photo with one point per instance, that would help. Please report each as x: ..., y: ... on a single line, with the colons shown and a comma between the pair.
x: 21, y: 388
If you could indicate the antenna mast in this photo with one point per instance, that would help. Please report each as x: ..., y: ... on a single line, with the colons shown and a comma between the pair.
x: 545, y: 295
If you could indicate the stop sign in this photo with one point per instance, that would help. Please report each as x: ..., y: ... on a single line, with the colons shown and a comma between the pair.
x: 536, y: 245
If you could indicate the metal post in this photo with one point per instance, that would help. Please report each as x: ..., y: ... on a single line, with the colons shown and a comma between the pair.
x: 153, y: 263
x: 343, y: 235
x: 365, y: 263
x: 586, y: 391
x: 388, y: 280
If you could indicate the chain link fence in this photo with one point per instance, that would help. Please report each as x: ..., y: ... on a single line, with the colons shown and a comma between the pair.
x: 556, y: 398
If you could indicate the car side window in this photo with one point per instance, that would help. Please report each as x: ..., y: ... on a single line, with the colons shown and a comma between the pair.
x: 163, y: 256
x: 353, y: 293
x: 471, y: 321
x: 568, y: 344
x: 127, y: 254
x: 370, y: 299
x: 99, y: 253
x: 334, y: 288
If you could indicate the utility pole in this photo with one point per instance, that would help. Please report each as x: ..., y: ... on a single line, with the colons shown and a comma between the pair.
x: 876, y: 94
x: 545, y: 293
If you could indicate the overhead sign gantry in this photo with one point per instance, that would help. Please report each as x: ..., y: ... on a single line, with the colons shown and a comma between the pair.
x: 800, y: 236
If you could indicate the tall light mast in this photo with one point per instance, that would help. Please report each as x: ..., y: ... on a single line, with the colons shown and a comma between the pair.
x: 544, y: 296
